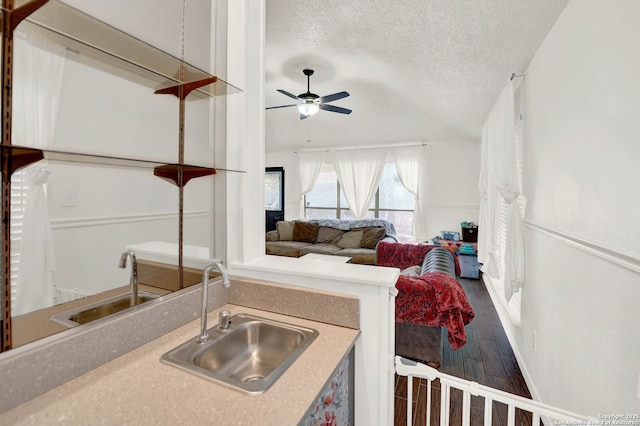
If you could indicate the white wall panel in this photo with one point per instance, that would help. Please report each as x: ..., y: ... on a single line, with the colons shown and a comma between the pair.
x: 581, y: 161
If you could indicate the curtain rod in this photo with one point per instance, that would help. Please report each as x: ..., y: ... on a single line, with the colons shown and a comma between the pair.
x: 361, y: 147
x: 514, y: 75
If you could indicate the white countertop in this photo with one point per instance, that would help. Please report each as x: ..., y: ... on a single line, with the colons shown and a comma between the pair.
x: 137, y: 388
x: 163, y: 252
x: 263, y: 267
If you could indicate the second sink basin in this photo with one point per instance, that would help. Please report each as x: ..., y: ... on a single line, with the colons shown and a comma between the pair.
x: 102, y: 308
x: 249, y: 357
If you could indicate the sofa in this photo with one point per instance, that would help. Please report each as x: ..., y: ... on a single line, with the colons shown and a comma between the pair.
x: 356, y: 239
x: 430, y: 301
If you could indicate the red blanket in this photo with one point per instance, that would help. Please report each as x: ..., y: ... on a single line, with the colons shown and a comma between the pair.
x: 402, y: 256
x: 434, y: 299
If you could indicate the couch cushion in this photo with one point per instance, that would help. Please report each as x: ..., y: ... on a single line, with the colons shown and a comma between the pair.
x: 319, y: 249
x: 285, y: 230
x: 359, y: 255
x: 371, y: 237
x: 284, y: 248
x: 412, y: 271
x: 305, y: 231
x: 350, y: 239
x: 329, y: 235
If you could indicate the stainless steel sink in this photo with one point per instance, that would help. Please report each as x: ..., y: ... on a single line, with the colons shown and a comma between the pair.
x: 250, y: 356
x: 100, y: 309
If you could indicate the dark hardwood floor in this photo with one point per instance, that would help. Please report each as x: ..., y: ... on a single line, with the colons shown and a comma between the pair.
x: 487, y: 358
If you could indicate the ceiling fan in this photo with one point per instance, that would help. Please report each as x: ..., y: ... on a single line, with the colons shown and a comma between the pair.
x: 309, y: 103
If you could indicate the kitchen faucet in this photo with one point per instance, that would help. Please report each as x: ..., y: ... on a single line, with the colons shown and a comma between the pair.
x: 204, y: 336
x: 133, y: 281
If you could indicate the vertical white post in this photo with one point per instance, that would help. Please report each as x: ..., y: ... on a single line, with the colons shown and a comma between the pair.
x: 444, y: 404
x: 466, y: 408
x: 511, y: 416
x: 488, y: 408
x: 409, y: 399
x: 428, y: 418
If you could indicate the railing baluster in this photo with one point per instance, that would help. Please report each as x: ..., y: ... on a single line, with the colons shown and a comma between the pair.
x: 536, y: 419
x: 488, y: 411
x: 427, y: 420
x: 409, y: 400
x: 511, y: 416
x: 466, y: 408
x: 444, y: 404
x: 411, y: 369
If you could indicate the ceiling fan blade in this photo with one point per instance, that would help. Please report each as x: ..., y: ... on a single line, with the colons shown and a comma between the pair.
x: 284, y: 92
x: 334, y: 108
x: 334, y: 97
x: 281, y: 106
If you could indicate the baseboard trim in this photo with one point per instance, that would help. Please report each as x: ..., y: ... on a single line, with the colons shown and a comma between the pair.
x: 507, y: 324
x: 614, y: 256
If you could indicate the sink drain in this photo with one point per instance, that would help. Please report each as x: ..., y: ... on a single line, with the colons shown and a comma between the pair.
x: 254, y: 378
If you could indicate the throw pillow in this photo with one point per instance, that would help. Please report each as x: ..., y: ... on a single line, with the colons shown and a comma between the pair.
x: 285, y: 230
x: 350, y: 239
x: 306, y: 232
x: 329, y: 235
x: 371, y: 237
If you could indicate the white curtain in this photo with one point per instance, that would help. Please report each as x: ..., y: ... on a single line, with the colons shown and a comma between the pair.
x: 488, y: 205
x: 309, y: 164
x: 499, y: 180
x: 409, y: 162
x: 35, y: 283
x: 38, y: 71
x: 359, y: 172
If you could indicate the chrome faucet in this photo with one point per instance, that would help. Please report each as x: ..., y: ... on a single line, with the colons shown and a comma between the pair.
x: 224, y: 320
x: 133, y: 281
x: 204, y: 336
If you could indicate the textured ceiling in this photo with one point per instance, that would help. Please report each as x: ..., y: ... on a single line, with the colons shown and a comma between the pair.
x: 417, y: 70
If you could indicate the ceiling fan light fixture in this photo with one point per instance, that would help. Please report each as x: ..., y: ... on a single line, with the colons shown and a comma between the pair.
x: 309, y: 103
x: 308, y: 108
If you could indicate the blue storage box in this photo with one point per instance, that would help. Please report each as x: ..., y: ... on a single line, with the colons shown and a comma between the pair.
x: 450, y: 235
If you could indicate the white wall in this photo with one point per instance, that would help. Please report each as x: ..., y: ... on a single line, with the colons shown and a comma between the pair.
x: 451, y: 177
x: 452, y: 171
x: 293, y: 206
x: 581, y: 158
x: 100, y: 113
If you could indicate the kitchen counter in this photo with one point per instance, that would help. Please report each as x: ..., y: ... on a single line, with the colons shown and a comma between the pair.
x: 136, y: 388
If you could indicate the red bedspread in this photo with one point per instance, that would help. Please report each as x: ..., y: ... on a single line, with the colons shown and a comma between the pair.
x: 434, y: 299
x: 404, y: 255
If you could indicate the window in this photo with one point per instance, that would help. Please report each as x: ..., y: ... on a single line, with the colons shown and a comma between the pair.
x: 392, y: 201
x: 274, y: 189
x: 513, y: 306
x: 503, y: 210
x: 19, y: 189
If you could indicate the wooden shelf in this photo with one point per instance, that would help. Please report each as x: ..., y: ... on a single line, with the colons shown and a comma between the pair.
x: 179, y: 174
x: 105, y: 47
x: 98, y: 45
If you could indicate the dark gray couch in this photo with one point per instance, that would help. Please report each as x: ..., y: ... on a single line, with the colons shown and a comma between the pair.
x: 356, y: 239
